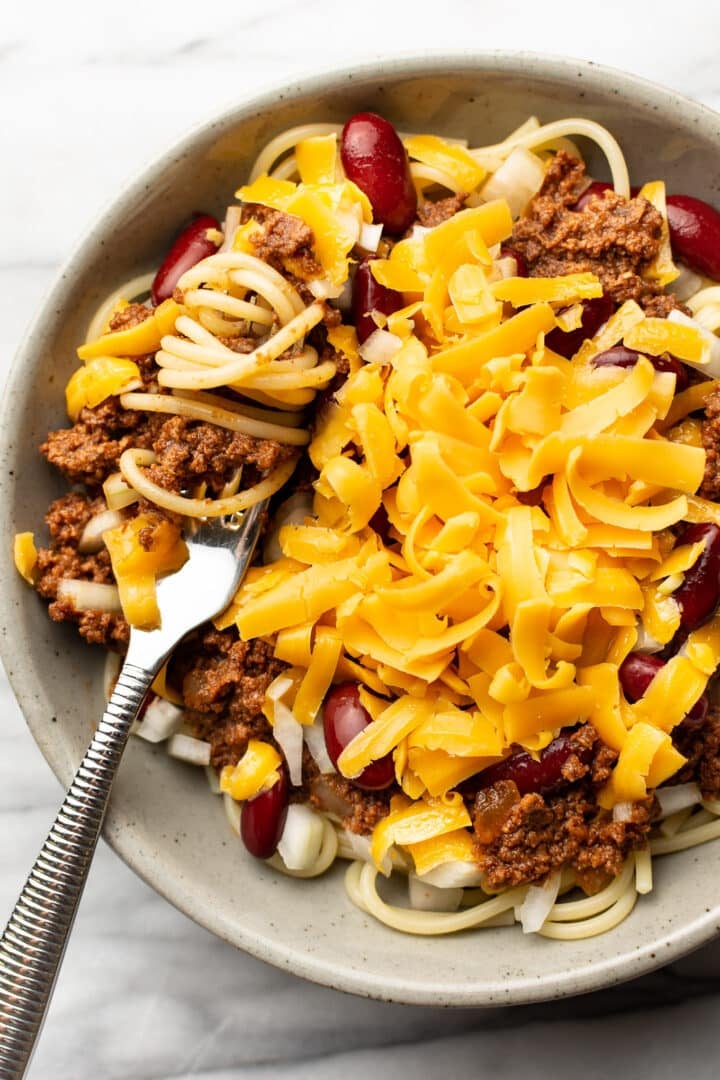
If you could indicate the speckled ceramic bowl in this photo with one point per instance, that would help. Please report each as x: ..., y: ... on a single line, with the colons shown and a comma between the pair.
x: 163, y: 821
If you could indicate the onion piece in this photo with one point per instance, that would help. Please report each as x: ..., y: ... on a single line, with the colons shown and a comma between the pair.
x: 646, y: 643
x: 622, y: 811
x: 712, y: 369
x: 454, y: 874
x: 314, y: 736
x: 325, y: 289
x: 90, y: 595
x: 343, y: 302
x: 519, y: 178
x: 300, y: 843
x: 425, y: 897
x: 538, y: 902
x: 92, y: 535
x: 678, y: 797
x: 288, y: 734
x: 360, y: 847
x: 419, y: 232
x: 505, y: 267
x: 233, y: 216
x: 686, y: 284
x: 369, y: 237
x: 380, y: 347
x: 161, y: 720
x: 118, y: 493
x: 187, y: 748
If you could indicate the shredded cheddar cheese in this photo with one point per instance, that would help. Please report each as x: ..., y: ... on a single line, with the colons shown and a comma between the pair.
x: 476, y: 618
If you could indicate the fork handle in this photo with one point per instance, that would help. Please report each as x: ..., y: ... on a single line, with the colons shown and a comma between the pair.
x: 32, y: 946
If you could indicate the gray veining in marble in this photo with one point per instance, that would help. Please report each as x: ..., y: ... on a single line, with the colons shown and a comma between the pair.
x: 89, y: 93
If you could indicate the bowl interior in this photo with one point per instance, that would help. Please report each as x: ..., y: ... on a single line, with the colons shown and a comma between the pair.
x: 163, y: 821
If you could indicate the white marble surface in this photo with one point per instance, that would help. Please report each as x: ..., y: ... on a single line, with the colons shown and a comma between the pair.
x: 89, y: 92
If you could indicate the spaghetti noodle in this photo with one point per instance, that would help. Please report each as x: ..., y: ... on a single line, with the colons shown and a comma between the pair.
x: 491, y: 535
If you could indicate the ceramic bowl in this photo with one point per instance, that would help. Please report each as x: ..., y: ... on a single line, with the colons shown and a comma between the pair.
x: 163, y: 821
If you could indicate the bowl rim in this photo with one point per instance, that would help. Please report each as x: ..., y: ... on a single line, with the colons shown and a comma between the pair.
x: 606, y: 972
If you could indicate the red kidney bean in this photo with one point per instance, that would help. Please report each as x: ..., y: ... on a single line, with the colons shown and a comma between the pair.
x: 595, y: 313
x: 369, y: 295
x: 262, y: 819
x: 520, y: 263
x: 695, y: 233
x: 699, y: 593
x: 623, y: 357
x: 189, y: 248
x: 344, y: 717
x: 374, y: 158
x: 637, y: 672
x: 530, y: 775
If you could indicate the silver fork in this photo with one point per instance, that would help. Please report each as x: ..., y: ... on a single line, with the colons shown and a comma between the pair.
x: 32, y: 946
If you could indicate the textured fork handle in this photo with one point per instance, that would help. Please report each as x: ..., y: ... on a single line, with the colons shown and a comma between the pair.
x: 31, y: 949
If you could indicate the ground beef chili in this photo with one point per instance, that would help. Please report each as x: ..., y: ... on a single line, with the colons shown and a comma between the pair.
x: 612, y: 237
x: 535, y: 834
x: 711, y: 442
x: 66, y: 520
x: 434, y: 213
x: 544, y: 833
x: 519, y: 837
x: 284, y: 241
x: 702, y: 749
x: 359, y: 810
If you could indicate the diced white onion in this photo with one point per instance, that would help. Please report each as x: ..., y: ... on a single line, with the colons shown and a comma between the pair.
x: 343, y: 302
x: 213, y: 780
x: 622, y: 811
x: 117, y: 493
x: 538, y: 902
x: 325, y: 289
x: 328, y: 799
x: 646, y: 643
x: 233, y: 811
x: 302, y: 837
x: 425, y: 897
x: 506, y: 267
x: 279, y: 687
x: 361, y: 848
x: 454, y: 874
x: 380, y: 347
x: 369, y: 237
x: 161, y: 720
x: 419, y: 231
x: 288, y: 734
x: 90, y: 595
x: 314, y: 736
x: 686, y: 284
x: 111, y: 670
x: 92, y: 535
x: 678, y: 797
x: 519, y: 178
x: 291, y: 512
x: 350, y: 221
x: 186, y: 748
x: 711, y: 369
x: 233, y: 215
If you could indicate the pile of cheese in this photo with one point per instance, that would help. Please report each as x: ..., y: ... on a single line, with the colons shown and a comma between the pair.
x: 490, y: 534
